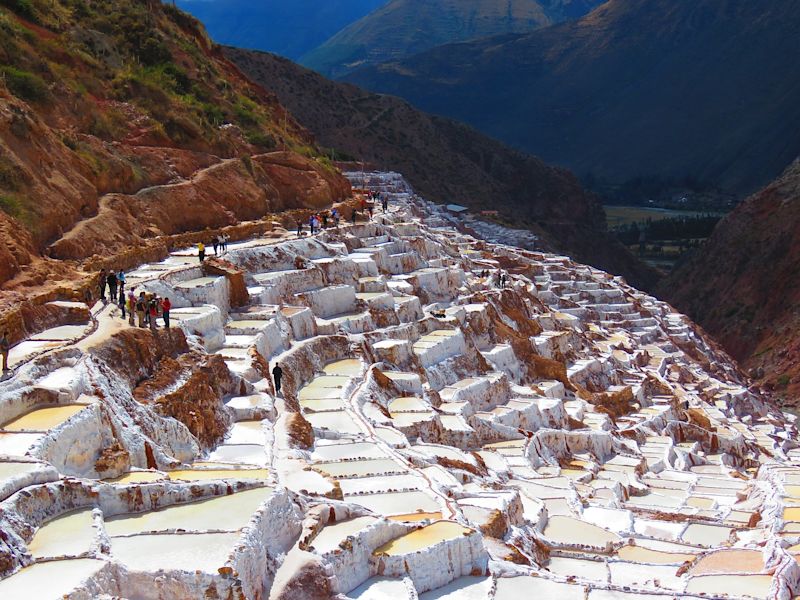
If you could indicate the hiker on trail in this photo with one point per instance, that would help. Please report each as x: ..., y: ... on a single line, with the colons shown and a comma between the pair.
x: 5, y: 346
x: 353, y: 216
x: 215, y: 241
x: 385, y: 204
x: 122, y: 303
x: 225, y: 238
x: 311, y: 223
x: 299, y: 228
x: 277, y: 375
x: 103, y: 284
x: 131, y: 306
x: 370, y: 208
x: 141, y: 306
x: 201, y: 251
x: 111, y: 279
x: 166, y: 306
x: 335, y: 215
x: 121, y: 281
x: 153, y: 309
x: 325, y: 220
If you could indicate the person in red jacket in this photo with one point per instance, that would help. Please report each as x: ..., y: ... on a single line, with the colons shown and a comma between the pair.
x: 166, y: 306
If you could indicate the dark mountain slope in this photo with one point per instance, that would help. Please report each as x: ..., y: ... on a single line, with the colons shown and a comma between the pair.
x: 708, y: 89
x: 744, y: 284
x: 405, y: 27
x: 446, y: 161
x: 287, y: 27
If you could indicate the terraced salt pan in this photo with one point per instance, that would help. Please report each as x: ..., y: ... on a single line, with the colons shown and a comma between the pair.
x: 205, y: 552
x: 60, y: 334
x: 754, y: 586
x: 334, y: 534
x: 425, y: 537
x: 396, y: 503
x: 360, y: 468
x: 244, y: 454
x: 212, y: 474
x: 349, y: 367
x: 568, y: 530
x: 18, y: 444
x: 339, y: 421
x: 639, y: 554
x: 463, y: 588
x: 12, y: 469
x: 43, y: 419
x: 380, y: 588
x: 381, y: 483
x: 68, y: 535
x: 223, y: 513
x: 348, y: 451
x: 246, y: 432
x: 137, y: 477
x: 516, y: 588
x: 49, y: 580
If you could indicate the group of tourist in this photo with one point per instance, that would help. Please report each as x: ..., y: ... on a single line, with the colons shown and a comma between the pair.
x: 146, y: 308
x: 218, y: 242
x: 322, y: 220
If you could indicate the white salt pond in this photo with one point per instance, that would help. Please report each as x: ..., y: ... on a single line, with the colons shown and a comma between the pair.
x: 246, y: 454
x: 571, y: 531
x: 463, y: 588
x: 515, y: 588
x: 755, y: 586
x: 49, y: 580
x: 329, y: 452
x: 17, y: 444
x: 68, y: 535
x: 396, y: 503
x: 349, y: 367
x: 137, y: 477
x: 380, y: 588
x: 360, y: 468
x: 211, y: 474
x: 223, y: 513
x: 246, y: 432
x: 205, y: 552
x: 339, y: 421
x: 334, y: 534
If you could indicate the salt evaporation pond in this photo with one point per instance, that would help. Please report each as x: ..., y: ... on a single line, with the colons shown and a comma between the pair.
x: 568, y: 530
x: 49, y: 580
x: 396, y: 503
x: 224, y: 513
x: 137, y: 477
x: 211, y: 474
x: 349, y: 367
x: 205, y: 552
x: 756, y: 586
x: 463, y: 588
x: 67, y: 535
x: 515, y: 588
x: 425, y: 537
x: 332, y: 535
x: 380, y: 588
x: 43, y: 419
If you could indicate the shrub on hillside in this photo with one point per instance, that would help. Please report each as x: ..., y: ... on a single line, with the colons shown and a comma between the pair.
x: 24, y: 8
x: 24, y: 84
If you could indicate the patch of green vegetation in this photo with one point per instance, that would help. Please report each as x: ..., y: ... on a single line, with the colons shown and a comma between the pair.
x: 11, y: 177
x: 15, y: 207
x: 784, y: 380
x: 246, y: 112
x: 24, y: 8
x: 265, y: 141
x: 24, y: 84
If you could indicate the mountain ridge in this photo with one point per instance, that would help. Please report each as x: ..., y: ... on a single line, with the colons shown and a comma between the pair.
x: 637, y: 88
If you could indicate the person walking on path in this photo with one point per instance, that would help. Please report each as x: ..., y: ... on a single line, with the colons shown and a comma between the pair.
x: 299, y: 228
x: 103, y: 284
x: 370, y: 208
x: 123, y: 301
x: 225, y: 238
x: 121, y: 281
x: 166, y: 306
x: 201, y: 251
x: 131, y: 306
x: 353, y: 216
x: 112, y: 286
x: 141, y: 306
x: 215, y: 242
x: 311, y: 224
x: 5, y: 346
x: 153, y: 309
x: 277, y: 375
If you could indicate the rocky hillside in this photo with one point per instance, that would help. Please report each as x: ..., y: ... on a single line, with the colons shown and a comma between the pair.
x: 121, y: 124
x: 743, y: 285
x: 405, y: 27
x: 638, y: 88
x: 446, y: 161
x: 290, y: 28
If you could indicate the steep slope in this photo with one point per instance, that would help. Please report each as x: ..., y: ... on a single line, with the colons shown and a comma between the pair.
x: 638, y: 88
x: 446, y: 161
x: 289, y: 28
x: 405, y: 27
x: 743, y: 284
x: 121, y: 123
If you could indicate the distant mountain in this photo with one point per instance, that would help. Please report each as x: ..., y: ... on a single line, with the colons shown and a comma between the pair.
x: 706, y: 89
x: 405, y: 27
x: 288, y: 27
x: 447, y: 161
x: 744, y: 284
